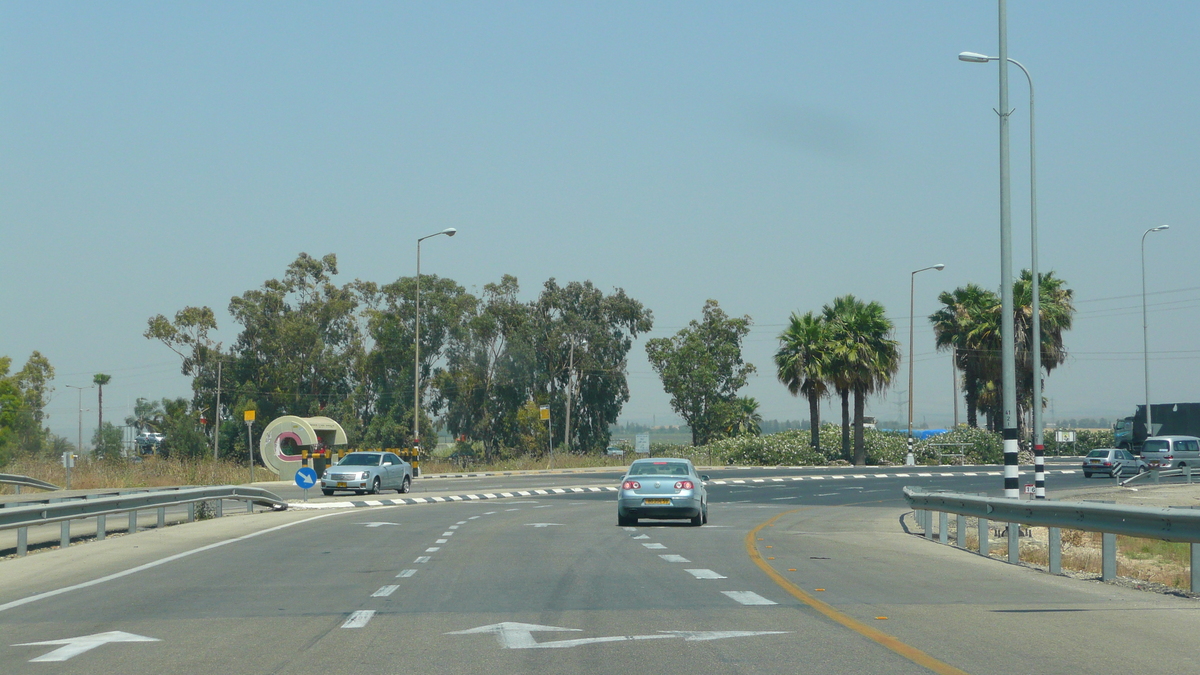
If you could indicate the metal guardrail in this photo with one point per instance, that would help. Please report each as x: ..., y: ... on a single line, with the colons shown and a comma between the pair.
x: 41, y: 513
x: 26, y: 481
x: 1156, y: 474
x: 1168, y: 524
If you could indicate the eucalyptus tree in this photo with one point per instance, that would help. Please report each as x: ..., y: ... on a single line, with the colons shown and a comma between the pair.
x: 701, y: 367
x: 801, y: 362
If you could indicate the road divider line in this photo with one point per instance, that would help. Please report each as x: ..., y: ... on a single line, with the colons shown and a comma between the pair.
x: 888, y: 641
x: 748, y: 598
x: 384, y: 591
x: 404, y: 574
x: 705, y: 574
x: 359, y: 619
x: 671, y: 557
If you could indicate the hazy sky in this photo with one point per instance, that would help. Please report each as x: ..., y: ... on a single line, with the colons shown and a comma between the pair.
x: 769, y: 155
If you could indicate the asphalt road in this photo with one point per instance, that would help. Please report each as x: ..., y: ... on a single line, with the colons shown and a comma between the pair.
x: 811, y: 576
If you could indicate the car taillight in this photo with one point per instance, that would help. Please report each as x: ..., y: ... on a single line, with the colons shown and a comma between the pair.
x: 1107, y: 463
x: 1169, y: 457
x: 631, y: 485
x: 685, y: 485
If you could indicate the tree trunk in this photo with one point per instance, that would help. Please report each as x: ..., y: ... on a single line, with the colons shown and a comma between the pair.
x: 814, y: 420
x: 100, y: 405
x: 860, y: 445
x: 971, y: 394
x: 845, y: 394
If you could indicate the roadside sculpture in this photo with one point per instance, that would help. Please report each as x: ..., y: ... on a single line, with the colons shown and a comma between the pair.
x: 286, y: 439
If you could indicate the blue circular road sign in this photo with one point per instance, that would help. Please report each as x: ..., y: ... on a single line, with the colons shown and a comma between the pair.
x: 306, y: 477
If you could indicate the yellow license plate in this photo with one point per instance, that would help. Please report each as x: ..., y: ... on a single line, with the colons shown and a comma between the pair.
x: 656, y: 501
x: 341, y: 485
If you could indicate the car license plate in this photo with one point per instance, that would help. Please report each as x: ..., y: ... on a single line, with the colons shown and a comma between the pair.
x: 341, y: 485
x: 656, y: 501
x: 1093, y: 461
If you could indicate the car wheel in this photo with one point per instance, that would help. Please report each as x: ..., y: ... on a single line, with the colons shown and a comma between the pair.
x: 625, y: 521
x: 405, y: 486
x: 1087, y: 474
x: 327, y: 492
x: 704, y: 516
x: 375, y: 486
x: 698, y: 520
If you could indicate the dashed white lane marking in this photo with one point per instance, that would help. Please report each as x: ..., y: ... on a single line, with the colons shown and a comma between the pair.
x: 972, y: 473
x: 404, y: 574
x: 671, y: 557
x: 748, y: 598
x: 474, y: 517
x: 359, y: 619
x: 705, y: 574
x: 654, y: 546
x: 488, y: 513
x: 793, y: 497
x: 448, y: 533
x: 384, y: 591
x: 433, y: 549
x: 422, y: 559
x: 828, y: 494
x: 642, y: 536
x: 455, y: 527
x: 629, y: 529
x: 544, y: 506
x: 512, y: 509
x: 441, y: 541
x: 903, y: 475
x: 925, y: 475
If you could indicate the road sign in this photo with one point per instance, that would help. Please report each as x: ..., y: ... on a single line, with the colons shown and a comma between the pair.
x: 544, y: 411
x: 248, y: 415
x: 642, y: 443
x: 512, y: 635
x: 1029, y: 490
x: 306, y: 477
x: 84, y: 643
x: 1064, y: 436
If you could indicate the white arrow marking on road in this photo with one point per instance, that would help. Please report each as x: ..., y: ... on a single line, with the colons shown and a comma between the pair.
x: 376, y: 524
x: 512, y: 635
x: 544, y: 524
x: 84, y: 643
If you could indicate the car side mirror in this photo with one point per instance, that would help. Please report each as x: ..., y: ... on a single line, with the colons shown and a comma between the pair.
x: 705, y: 478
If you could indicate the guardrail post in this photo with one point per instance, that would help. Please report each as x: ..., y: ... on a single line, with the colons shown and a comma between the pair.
x: 928, y: 525
x: 132, y: 522
x: 191, y: 512
x: 249, y: 506
x: 1055, y: 550
x: 960, y: 534
x: 1187, y: 472
x: 1108, y: 553
x: 943, y: 527
x: 1195, y: 567
x: 1154, y: 473
x: 220, y: 508
x: 22, y: 541
x: 101, y: 529
x: 162, y: 516
x: 1014, y: 543
x: 984, y: 548
x: 65, y: 539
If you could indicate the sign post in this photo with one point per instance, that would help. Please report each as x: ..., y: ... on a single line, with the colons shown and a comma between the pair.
x: 1065, y: 437
x: 306, y: 477
x: 249, y: 416
x: 544, y: 412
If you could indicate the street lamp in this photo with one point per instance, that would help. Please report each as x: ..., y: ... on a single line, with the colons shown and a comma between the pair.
x: 910, y: 460
x: 449, y: 232
x: 1039, y: 448
x: 1145, y: 341
x: 67, y: 459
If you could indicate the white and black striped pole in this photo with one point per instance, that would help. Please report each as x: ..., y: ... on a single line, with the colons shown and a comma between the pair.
x: 1007, y: 337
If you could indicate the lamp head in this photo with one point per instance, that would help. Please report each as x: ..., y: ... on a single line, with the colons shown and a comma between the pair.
x: 972, y: 57
x: 939, y: 267
x: 449, y: 231
x: 1160, y: 228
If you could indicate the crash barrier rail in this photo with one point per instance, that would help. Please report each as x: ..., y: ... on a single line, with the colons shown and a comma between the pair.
x: 1167, y: 524
x: 1156, y: 474
x: 26, y: 481
x: 24, y: 516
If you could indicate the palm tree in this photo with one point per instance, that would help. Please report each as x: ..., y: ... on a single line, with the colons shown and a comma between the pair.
x: 746, y: 420
x: 100, y: 379
x: 869, y: 357
x: 839, y: 371
x: 800, y: 365
x: 1056, y: 310
x: 964, y: 325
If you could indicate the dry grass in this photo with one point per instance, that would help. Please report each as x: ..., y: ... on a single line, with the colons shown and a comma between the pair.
x: 1150, y: 560
x: 150, y: 472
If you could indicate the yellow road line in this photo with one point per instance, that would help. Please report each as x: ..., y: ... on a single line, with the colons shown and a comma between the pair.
x: 907, y: 651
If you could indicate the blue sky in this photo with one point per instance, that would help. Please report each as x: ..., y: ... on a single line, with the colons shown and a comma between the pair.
x: 769, y: 155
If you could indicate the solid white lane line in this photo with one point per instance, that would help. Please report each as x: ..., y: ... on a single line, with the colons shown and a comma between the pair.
x: 359, y: 619
x: 155, y: 563
x: 404, y: 574
x: 748, y: 598
x: 705, y: 574
x: 433, y: 549
x: 384, y: 591
x: 671, y: 557
x: 422, y: 559
x: 654, y: 546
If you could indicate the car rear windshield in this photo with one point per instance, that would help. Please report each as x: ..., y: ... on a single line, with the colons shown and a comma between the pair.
x: 360, y: 460
x: 659, y: 469
x: 1098, y: 453
x: 1156, y: 446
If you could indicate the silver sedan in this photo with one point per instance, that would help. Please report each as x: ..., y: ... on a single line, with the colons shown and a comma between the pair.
x: 361, y: 472
x: 662, y: 489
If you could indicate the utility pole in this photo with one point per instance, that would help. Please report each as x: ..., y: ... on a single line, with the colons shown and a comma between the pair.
x: 217, y: 416
x: 67, y: 458
x: 1007, y: 334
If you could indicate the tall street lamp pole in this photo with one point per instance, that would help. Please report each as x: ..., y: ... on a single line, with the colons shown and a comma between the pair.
x: 1145, y: 340
x: 67, y: 459
x: 912, y: 285
x: 1039, y: 448
x: 449, y: 232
